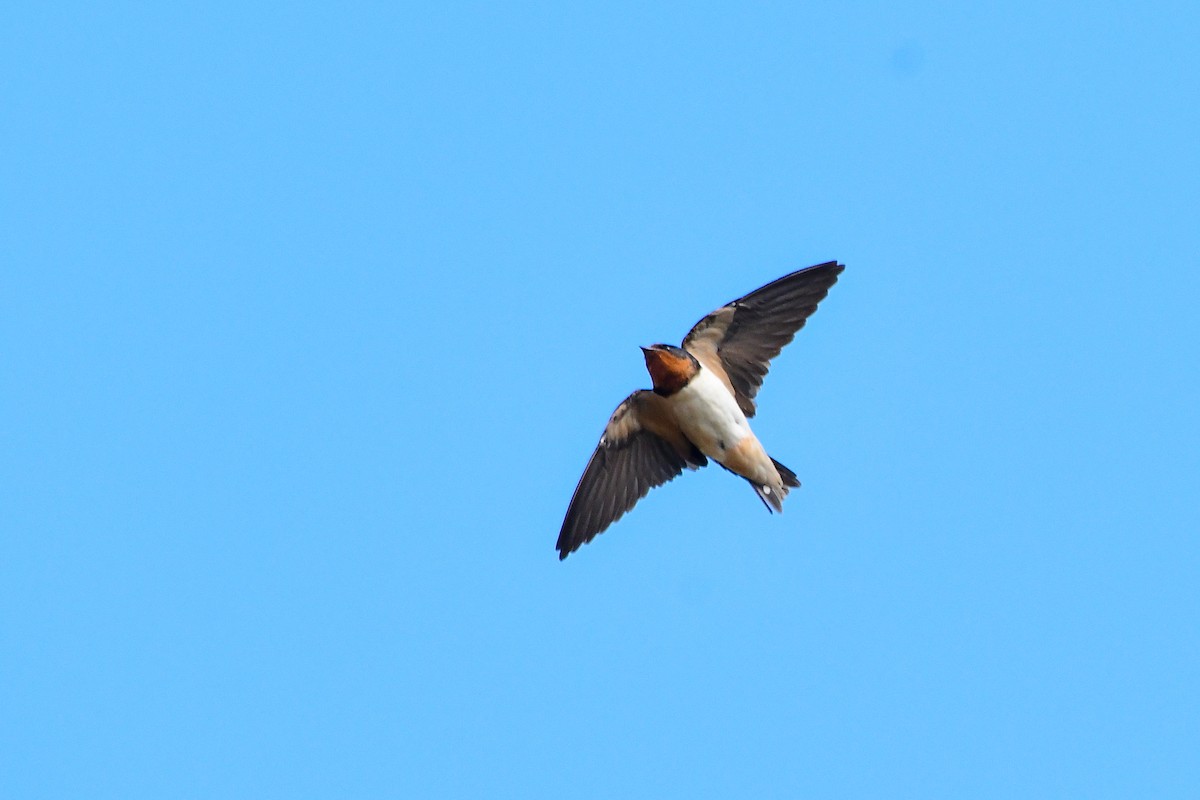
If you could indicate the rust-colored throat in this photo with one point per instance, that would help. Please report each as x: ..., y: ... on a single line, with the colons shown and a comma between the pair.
x: 670, y: 368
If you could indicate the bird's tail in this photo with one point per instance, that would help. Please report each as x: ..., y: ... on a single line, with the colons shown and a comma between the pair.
x: 789, y: 477
x: 772, y: 496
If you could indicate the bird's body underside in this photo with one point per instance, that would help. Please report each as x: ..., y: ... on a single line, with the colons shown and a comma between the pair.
x: 699, y: 408
x: 708, y: 415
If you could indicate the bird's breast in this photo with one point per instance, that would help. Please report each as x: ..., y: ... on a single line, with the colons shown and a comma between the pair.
x: 709, y: 415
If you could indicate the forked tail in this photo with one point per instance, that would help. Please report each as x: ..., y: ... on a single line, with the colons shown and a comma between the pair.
x: 772, y: 496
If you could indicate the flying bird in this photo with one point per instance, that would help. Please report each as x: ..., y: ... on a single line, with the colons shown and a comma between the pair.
x: 702, y: 398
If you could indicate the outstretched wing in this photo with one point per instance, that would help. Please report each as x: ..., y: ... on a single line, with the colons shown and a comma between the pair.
x: 738, y: 340
x: 641, y: 448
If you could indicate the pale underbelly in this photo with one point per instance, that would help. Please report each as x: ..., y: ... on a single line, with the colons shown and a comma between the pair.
x: 709, y: 416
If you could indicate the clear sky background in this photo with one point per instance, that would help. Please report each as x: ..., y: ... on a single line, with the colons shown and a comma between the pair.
x: 311, y: 315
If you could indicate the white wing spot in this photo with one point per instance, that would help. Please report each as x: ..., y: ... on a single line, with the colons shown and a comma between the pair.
x: 766, y: 490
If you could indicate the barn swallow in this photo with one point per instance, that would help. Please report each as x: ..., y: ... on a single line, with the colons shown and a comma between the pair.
x: 703, y: 396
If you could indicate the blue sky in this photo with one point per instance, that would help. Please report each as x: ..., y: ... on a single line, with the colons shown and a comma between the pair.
x: 311, y: 316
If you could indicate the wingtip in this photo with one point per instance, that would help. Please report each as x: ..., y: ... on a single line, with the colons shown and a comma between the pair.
x: 563, y: 547
x: 826, y: 266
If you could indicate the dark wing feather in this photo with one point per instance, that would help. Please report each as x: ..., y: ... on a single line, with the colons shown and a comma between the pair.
x: 630, y: 460
x: 739, y: 339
